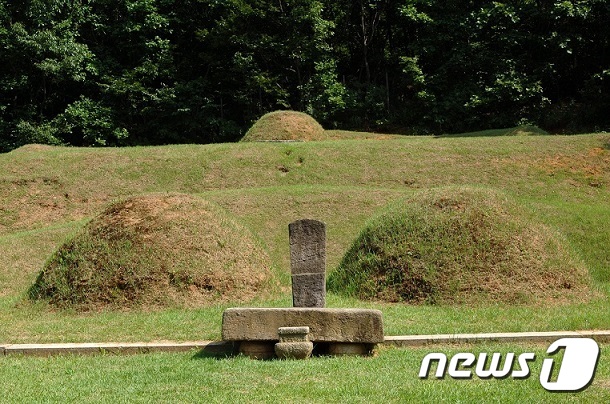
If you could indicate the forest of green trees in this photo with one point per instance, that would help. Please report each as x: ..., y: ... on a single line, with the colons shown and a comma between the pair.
x: 126, y: 72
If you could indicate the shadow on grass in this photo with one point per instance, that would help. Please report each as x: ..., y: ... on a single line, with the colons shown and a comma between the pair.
x: 524, y: 130
x: 226, y: 349
x: 217, y: 350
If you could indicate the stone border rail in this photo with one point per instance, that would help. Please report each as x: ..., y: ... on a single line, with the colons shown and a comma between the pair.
x: 227, y: 348
x: 602, y: 336
x: 124, y: 348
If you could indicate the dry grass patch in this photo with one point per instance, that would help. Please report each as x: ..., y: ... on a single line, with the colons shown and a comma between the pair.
x: 593, y: 165
x: 460, y: 246
x: 285, y: 125
x: 351, y: 135
x: 156, y: 250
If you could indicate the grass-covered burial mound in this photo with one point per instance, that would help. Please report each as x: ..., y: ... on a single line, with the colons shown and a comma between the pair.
x: 285, y: 125
x: 459, y: 245
x: 155, y: 250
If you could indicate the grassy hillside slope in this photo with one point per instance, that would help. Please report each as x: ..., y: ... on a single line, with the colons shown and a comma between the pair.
x: 49, y: 193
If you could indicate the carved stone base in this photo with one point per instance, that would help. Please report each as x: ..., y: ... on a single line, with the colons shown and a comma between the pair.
x: 294, y: 343
x: 294, y: 350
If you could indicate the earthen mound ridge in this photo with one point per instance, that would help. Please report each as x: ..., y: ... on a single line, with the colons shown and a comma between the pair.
x: 460, y: 246
x: 156, y: 250
x: 285, y: 126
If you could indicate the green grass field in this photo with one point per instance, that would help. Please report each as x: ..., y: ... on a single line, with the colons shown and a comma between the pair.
x: 390, y: 377
x: 50, y: 193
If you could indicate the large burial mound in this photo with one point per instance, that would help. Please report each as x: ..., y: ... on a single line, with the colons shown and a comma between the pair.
x: 285, y: 125
x: 155, y: 250
x: 459, y: 245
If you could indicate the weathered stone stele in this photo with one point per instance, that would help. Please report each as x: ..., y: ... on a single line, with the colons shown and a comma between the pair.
x: 308, y: 262
x: 308, y: 323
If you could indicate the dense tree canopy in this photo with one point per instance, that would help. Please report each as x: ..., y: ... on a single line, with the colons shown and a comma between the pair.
x: 100, y: 72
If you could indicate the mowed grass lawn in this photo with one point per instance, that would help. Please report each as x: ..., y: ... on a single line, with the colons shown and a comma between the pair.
x: 49, y: 193
x: 390, y: 377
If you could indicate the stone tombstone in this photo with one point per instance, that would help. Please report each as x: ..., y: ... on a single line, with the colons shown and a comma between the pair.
x: 308, y: 262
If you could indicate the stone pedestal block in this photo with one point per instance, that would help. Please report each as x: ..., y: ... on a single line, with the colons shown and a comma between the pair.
x: 325, y: 325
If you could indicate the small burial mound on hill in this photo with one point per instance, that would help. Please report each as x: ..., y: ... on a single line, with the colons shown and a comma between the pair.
x: 459, y: 246
x: 522, y: 130
x: 153, y: 251
x: 285, y: 125
x: 34, y: 147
